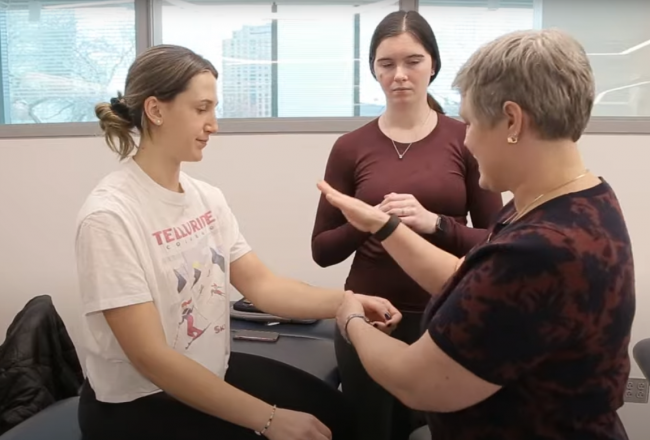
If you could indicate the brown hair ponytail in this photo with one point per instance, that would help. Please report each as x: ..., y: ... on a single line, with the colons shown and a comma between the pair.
x: 435, y: 105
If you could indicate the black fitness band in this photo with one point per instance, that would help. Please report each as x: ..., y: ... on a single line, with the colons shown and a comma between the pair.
x: 389, y: 227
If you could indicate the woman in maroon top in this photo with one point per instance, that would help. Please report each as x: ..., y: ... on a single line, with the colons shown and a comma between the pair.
x: 412, y: 162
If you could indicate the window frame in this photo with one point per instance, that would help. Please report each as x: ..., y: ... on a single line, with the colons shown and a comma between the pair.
x: 148, y: 32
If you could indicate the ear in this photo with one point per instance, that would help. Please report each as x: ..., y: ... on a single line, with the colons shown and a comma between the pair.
x: 515, y: 119
x: 152, y: 110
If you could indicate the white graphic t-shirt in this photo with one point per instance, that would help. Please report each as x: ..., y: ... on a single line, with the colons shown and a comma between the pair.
x: 139, y: 242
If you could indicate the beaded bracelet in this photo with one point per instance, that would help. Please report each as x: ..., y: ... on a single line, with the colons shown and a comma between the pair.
x: 268, y: 422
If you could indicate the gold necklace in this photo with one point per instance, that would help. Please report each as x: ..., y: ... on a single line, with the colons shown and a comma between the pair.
x: 519, y: 214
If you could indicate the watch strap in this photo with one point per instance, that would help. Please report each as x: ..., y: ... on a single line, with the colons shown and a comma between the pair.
x: 389, y: 227
x: 441, y: 225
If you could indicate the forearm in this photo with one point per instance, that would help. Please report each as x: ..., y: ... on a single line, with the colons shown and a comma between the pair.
x: 294, y: 299
x: 336, y: 245
x: 428, y: 265
x: 196, y: 386
x: 382, y: 357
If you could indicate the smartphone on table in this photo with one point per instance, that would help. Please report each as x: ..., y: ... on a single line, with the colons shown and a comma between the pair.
x: 255, y: 335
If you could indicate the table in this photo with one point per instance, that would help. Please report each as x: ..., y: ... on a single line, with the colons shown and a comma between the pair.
x: 322, y: 329
x: 308, y: 347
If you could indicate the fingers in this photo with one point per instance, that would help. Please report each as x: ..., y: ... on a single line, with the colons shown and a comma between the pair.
x: 330, y: 193
x: 397, y: 197
x: 399, y: 207
x: 405, y: 211
x: 408, y: 220
x: 323, y: 430
x: 384, y: 327
x: 383, y: 315
x: 393, y: 197
x: 325, y: 187
x: 395, y: 319
x: 394, y: 315
x: 382, y: 311
x: 388, y: 319
x: 334, y: 197
x: 338, y: 199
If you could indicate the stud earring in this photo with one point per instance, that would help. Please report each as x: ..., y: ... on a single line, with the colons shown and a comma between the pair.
x: 513, y: 139
x: 158, y: 122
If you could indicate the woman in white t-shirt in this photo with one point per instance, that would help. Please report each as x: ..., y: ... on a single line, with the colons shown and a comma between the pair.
x: 156, y: 251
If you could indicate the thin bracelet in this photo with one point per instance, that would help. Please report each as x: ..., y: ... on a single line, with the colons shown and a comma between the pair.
x: 268, y: 422
x: 347, y: 321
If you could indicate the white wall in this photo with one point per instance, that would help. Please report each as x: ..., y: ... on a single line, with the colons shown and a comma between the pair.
x: 43, y: 183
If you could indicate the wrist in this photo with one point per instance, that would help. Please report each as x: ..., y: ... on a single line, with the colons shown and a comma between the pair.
x: 354, y: 326
x: 433, y: 223
x: 350, y: 322
x: 380, y: 220
x: 387, y: 229
x: 266, y: 420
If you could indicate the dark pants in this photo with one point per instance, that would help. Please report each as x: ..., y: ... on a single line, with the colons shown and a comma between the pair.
x: 162, y: 417
x: 156, y: 416
x: 379, y: 415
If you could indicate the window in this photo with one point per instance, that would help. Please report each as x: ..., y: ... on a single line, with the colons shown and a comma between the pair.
x: 290, y: 65
x: 284, y: 58
x: 463, y: 26
x: 58, y: 59
x: 619, y: 55
x: 616, y: 37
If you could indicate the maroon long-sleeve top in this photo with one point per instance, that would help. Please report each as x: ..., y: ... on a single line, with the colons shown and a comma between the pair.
x: 438, y: 170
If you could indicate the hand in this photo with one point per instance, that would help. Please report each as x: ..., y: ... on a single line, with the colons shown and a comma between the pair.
x: 349, y: 306
x: 294, y: 425
x: 362, y: 216
x: 380, y: 312
x: 410, y: 211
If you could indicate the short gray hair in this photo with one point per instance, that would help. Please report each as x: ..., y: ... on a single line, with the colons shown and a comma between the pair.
x: 546, y: 72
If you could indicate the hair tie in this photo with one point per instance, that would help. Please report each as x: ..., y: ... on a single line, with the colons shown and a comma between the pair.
x: 121, y: 109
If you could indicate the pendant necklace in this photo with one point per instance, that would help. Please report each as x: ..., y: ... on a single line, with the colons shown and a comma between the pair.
x: 401, y: 155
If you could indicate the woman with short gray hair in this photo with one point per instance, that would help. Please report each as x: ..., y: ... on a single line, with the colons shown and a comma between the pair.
x: 528, y: 335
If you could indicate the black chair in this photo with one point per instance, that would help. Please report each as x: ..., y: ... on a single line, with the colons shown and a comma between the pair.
x: 57, y: 421
x: 641, y: 354
x: 422, y: 433
x: 291, y: 388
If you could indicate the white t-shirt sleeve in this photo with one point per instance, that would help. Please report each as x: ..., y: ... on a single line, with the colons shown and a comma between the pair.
x: 238, y: 244
x: 109, y: 270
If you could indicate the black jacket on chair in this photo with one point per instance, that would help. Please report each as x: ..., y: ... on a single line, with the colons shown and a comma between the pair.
x: 38, y: 363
